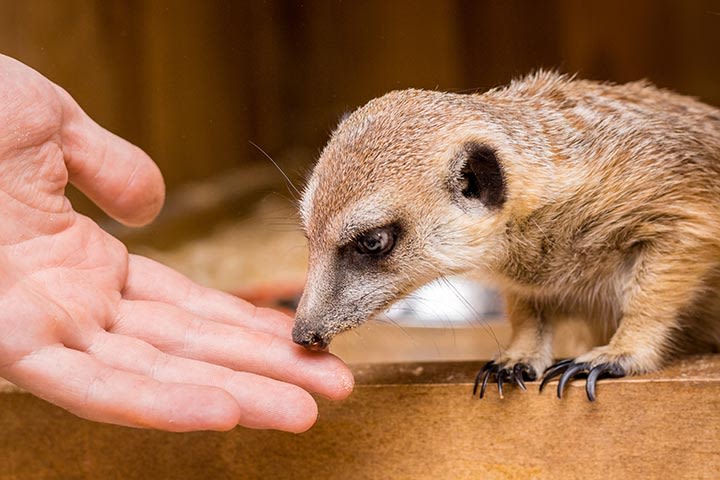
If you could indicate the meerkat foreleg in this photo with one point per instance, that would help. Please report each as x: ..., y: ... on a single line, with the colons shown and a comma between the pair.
x: 664, y: 284
x: 530, y: 350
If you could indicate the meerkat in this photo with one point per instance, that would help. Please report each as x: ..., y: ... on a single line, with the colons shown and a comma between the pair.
x: 574, y: 198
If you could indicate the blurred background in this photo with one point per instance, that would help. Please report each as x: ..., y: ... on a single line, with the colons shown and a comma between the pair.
x: 211, y: 89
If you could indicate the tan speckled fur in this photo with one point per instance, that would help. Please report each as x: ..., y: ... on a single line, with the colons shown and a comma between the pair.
x: 612, y: 213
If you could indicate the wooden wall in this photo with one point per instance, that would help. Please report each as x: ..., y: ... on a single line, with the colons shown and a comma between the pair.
x: 193, y: 82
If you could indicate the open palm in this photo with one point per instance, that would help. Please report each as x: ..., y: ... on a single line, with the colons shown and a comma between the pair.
x: 115, y: 337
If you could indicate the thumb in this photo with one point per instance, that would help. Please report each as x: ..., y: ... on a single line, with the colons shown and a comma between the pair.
x: 115, y: 174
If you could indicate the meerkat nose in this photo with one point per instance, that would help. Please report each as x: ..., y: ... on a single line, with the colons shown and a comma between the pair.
x: 313, y: 342
x: 310, y: 340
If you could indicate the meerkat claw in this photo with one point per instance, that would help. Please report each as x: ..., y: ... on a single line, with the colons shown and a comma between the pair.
x: 604, y: 370
x: 517, y: 375
x: 501, y: 376
x: 483, y: 374
x: 523, y: 371
x: 553, y: 371
x: 569, y: 369
x: 484, y: 383
x: 573, y: 370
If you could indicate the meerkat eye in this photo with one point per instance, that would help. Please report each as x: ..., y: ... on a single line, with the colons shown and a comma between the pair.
x: 379, y: 241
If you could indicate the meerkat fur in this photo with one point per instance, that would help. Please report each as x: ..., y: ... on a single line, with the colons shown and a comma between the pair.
x: 574, y: 198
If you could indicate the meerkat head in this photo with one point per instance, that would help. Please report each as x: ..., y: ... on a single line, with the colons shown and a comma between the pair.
x: 409, y: 188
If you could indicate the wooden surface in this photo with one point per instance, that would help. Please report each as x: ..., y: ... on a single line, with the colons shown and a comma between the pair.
x: 406, y: 421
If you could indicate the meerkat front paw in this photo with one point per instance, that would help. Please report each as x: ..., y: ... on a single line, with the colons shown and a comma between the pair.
x: 598, y: 363
x: 506, y: 369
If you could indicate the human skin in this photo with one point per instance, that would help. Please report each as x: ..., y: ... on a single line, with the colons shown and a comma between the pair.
x: 114, y: 337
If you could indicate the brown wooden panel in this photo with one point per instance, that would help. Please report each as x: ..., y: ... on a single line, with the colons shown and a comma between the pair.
x: 406, y: 421
x: 194, y: 82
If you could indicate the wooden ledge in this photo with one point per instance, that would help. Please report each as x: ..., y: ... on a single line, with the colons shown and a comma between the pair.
x: 407, y: 421
x: 698, y: 368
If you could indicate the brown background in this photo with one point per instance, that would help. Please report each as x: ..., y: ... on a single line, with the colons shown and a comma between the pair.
x: 193, y: 82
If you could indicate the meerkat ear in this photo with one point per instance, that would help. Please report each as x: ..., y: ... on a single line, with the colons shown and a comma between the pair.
x: 482, y: 176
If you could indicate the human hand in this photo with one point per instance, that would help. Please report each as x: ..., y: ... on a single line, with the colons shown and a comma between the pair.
x: 114, y: 337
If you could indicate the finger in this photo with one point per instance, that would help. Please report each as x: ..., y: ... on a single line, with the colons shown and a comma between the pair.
x: 115, y: 174
x: 150, y: 280
x: 175, y: 331
x: 264, y: 403
x: 79, y: 383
